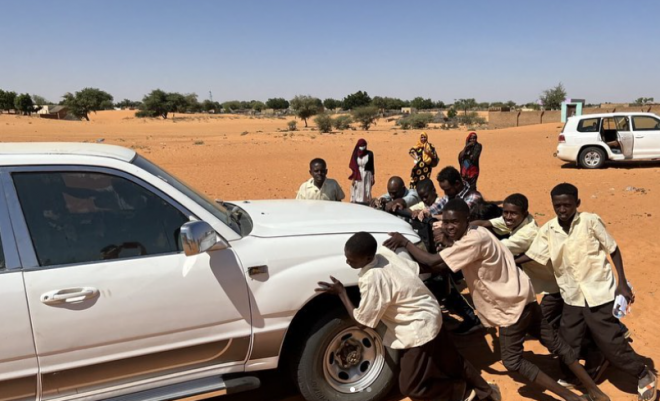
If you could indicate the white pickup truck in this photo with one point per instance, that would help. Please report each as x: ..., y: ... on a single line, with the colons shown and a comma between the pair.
x: 120, y: 282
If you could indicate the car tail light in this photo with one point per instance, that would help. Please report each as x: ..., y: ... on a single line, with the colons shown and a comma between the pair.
x: 562, y: 138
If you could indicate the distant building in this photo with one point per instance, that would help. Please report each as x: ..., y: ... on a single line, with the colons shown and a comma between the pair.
x: 53, y: 112
x: 408, y: 110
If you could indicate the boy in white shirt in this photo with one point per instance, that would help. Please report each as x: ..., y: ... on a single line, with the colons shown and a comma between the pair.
x: 430, y: 367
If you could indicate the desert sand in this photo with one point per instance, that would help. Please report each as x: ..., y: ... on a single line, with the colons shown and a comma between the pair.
x: 237, y: 157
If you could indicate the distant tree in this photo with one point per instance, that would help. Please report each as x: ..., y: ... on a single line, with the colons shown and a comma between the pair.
x: 331, y: 104
x: 40, y: 100
x: 193, y: 105
x: 484, y: 105
x: 552, y: 98
x: 87, y: 101
x: 305, y: 106
x: 422, y: 104
x: 208, y: 106
x: 365, y: 116
x: 357, y: 99
x: 533, y: 106
x: 7, y: 101
x: 232, y: 106
x: 440, y: 104
x: 380, y: 103
x: 257, y: 105
x: 395, y: 103
x: 177, y: 103
x: 154, y: 105
x: 277, y: 103
x: 342, y: 122
x: 323, y: 122
x: 23, y: 103
x: 452, y: 113
x: 128, y: 104
x: 465, y: 105
x: 511, y: 104
x: 643, y: 100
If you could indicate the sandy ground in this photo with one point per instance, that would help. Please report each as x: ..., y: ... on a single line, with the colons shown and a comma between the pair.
x: 231, y: 157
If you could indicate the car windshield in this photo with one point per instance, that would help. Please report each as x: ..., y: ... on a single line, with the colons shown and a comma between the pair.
x: 209, y: 205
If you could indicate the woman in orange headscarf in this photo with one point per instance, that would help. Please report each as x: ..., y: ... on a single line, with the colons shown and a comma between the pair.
x: 363, y: 173
x: 425, y: 158
x: 468, y: 159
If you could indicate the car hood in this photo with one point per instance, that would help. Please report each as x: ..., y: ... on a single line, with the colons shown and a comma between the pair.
x: 282, y: 218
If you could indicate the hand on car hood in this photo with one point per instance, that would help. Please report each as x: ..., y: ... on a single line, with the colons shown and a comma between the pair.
x: 280, y: 218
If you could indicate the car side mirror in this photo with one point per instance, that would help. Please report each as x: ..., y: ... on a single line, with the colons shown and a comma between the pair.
x: 198, y: 237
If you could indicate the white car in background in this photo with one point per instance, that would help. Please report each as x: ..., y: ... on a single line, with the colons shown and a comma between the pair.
x: 120, y: 282
x: 591, y: 140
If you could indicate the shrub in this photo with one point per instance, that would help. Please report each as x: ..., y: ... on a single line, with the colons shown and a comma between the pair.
x: 324, y: 122
x: 365, y: 116
x: 471, y: 118
x: 342, y: 122
x: 415, y: 121
x: 292, y: 125
x: 451, y: 113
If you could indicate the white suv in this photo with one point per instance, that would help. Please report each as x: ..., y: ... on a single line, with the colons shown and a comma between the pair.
x: 120, y: 282
x: 590, y: 140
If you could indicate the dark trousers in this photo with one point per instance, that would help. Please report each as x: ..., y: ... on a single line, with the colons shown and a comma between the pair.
x: 512, y: 338
x: 436, y: 370
x: 444, y: 289
x: 606, y: 333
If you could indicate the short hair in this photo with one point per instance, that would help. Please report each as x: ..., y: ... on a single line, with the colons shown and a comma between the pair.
x: 457, y: 205
x: 362, y: 244
x: 483, y: 210
x: 318, y: 160
x: 425, y: 185
x: 449, y: 174
x: 519, y: 200
x: 564, y: 189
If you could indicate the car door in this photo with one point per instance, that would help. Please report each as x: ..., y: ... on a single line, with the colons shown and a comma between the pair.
x: 18, y: 360
x: 647, y: 136
x: 625, y: 136
x: 113, y: 298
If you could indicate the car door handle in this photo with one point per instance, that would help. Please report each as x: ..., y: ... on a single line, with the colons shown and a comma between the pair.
x: 69, y: 295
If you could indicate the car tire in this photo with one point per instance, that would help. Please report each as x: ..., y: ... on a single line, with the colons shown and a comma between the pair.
x: 592, y: 157
x: 369, y: 369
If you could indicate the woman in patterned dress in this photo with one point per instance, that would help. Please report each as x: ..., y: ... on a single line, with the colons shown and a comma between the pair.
x: 425, y: 158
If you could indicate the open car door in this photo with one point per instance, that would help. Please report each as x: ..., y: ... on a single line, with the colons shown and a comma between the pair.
x: 625, y: 136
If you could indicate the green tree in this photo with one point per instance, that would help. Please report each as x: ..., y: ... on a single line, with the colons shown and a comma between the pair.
x: 154, y: 105
x: 305, y: 106
x: 440, y: 104
x: 331, y: 104
x: 232, y: 106
x: 87, y: 101
x: 552, y: 98
x: 177, y: 103
x: 128, y: 104
x: 484, y: 105
x: 342, y: 122
x: 324, y: 122
x: 422, y: 104
x: 277, y: 103
x: 533, y: 106
x: 357, y: 99
x: 643, y: 100
x: 393, y: 103
x: 452, y: 113
x: 193, y: 105
x: 511, y: 104
x: 257, y: 105
x: 366, y: 116
x: 465, y: 105
x: 7, y: 100
x: 23, y: 103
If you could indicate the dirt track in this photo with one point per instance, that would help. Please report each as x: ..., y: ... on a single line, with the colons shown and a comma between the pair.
x: 240, y: 158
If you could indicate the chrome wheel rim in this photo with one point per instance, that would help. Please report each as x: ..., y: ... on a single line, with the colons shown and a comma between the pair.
x: 353, y: 360
x: 592, y: 158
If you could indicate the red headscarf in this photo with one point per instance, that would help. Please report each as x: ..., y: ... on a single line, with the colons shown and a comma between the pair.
x: 470, y: 135
x: 353, y: 165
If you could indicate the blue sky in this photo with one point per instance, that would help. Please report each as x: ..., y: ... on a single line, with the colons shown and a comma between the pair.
x: 488, y: 50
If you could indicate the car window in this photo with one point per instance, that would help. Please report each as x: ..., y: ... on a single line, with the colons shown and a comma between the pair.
x: 588, y: 125
x: 77, y: 217
x: 645, y: 123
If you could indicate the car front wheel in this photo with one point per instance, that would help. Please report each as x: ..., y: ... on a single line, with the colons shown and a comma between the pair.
x: 339, y: 361
x: 592, y: 157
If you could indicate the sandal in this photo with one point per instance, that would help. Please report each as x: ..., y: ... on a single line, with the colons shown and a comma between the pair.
x: 650, y: 391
